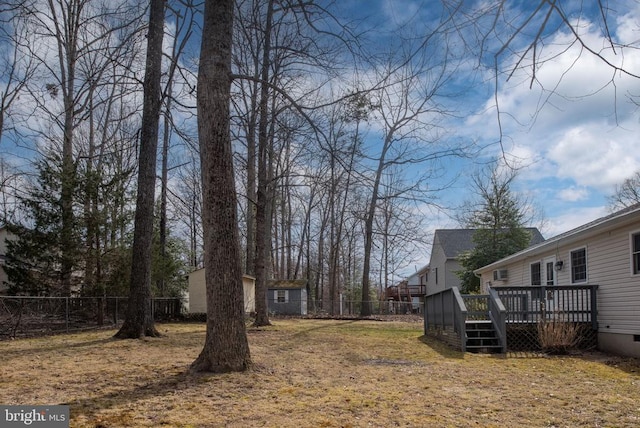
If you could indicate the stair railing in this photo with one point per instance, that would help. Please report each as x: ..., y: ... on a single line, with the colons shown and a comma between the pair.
x: 460, y: 317
x: 498, y: 316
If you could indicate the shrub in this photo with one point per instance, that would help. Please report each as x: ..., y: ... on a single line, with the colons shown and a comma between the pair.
x: 558, y: 336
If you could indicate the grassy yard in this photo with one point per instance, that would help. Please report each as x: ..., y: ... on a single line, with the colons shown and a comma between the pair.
x: 316, y: 373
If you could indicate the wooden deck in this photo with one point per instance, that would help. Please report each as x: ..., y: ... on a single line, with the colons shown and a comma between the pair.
x: 509, y: 310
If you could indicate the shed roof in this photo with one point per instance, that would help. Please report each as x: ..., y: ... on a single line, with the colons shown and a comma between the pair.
x: 287, y: 283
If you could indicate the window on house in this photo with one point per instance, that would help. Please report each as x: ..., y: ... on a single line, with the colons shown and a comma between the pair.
x: 436, y: 274
x: 281, y: 296
x: 536, y: 278
x: 635, y: 253
x: 579, y: 265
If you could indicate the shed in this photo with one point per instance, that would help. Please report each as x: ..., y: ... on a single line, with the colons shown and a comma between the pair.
x: 198, y: 292
x: 287, y: 297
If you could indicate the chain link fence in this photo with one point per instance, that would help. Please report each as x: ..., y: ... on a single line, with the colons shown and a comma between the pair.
x: 353, y: 308
x: 22, y: 316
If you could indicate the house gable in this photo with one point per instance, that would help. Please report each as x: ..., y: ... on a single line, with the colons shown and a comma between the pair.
x: 448, y: 244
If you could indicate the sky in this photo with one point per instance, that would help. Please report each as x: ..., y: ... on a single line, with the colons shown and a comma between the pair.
x: 574, y: 131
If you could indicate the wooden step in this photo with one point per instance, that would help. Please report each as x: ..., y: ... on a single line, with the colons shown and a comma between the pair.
x: 481, y: 337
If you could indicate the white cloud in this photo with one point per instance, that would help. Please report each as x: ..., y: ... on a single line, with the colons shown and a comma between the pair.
x: 574, y: 218
x: 591, y: 157
x: 573, y: 194
x: 574, y: 125
x: 400, y: 12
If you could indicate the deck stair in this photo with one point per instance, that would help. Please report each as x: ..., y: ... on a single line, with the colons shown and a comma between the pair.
x: 481, y: 337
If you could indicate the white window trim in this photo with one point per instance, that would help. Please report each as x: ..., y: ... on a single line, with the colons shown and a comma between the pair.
x: 551, y: 259
x: 586, y: 261
x: 631, y: 234
x: 539, y: 262
x: 286, y: 296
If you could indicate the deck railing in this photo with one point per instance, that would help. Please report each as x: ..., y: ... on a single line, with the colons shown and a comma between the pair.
x: 477, y: 306
x: 446, y: 310
x: 530, y: 304
x: 507, y: 307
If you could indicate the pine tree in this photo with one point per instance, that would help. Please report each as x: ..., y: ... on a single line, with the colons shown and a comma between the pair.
x: 499, y: 223
x: 34, y: 260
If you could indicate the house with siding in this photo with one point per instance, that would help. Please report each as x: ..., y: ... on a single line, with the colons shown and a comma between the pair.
x: 448, y: 244
x: 604, y: 253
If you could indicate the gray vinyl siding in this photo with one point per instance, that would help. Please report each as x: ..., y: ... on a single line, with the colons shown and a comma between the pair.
x: 619, y: 291
x: 438, y: 267
x: 295, y: 304
x: 451, y: 279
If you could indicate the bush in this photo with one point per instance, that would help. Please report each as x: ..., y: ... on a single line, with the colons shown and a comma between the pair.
x: 557, y: 336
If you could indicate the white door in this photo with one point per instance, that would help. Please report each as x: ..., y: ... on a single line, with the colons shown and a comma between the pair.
x: 549, y: 280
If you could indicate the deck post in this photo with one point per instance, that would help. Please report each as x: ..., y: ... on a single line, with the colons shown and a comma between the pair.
x: 594, y: 307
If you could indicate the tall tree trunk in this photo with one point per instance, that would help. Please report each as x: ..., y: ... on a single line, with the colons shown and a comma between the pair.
x: 251, y: 192
x: 67, y: 38
x: 365, y: 309
x: 163, y: 190
x: 263, y: 204
x: 226, y: 347
x: 139, y: 319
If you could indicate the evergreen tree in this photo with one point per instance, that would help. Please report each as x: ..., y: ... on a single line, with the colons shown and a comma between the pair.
x: 35, y: 259
x: 169, y: 267
x: 499, y: 222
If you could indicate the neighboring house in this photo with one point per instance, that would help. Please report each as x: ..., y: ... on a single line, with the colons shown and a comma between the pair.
x: 287, y: 297
x: 603, y: 253
x: 448, y: 244
x: 411, y: 289
x: 198, y: 292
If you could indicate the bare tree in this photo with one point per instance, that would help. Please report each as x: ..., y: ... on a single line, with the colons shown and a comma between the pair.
x: 184, y: 23
x: 409, y: 107
x: 626, y: 194
x: 15, y: 68
x: 73, y: 51
x: 226, y: 347
x: 281, y: 44
x: 139, y: 321
x: 518, y: 40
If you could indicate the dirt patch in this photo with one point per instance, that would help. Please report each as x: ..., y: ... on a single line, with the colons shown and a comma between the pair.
x: 315, y: 373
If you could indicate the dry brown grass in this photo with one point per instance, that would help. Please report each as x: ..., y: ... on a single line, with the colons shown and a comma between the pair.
x: 315, y: 373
